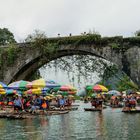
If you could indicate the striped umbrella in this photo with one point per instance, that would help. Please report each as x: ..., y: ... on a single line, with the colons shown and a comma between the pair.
x: 100, y: 88
x: 37, y: 91
x: 41, y: 83
x: 97, y: 88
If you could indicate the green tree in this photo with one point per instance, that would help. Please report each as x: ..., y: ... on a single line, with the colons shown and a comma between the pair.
x: 37, y: 35
x: 6, y: 37
x: 137, y: 33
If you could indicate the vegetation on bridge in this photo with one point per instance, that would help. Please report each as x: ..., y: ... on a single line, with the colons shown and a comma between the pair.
x: 49, y: 46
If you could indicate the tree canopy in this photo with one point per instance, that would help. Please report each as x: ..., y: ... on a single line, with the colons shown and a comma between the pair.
x: 6, y: 37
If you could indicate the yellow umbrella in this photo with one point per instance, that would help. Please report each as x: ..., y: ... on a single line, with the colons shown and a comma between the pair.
x: 34, y: 91
x: 2, y: 91
x: 40, y: 83
x: 100, y: 88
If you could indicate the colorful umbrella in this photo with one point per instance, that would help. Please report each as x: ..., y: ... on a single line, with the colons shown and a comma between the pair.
x: 40, y: 83
x: 20, y: 85
x: 100, y: 88
x: 2, y: 91
x: 89, y: 87
x: 2, y: 85
x: 66, y: 93
x: 11, y: 91
x: 67, y: 88
x: 114, y: 92
x: 37, y: 91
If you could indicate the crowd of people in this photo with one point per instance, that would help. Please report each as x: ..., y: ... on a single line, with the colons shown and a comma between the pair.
x: 129, y: 101
x: 97, y: 102
x: 34, y: 103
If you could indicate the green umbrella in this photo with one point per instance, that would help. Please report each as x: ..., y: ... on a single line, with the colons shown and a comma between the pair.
x: 89, y: 87
x: 19, y: 85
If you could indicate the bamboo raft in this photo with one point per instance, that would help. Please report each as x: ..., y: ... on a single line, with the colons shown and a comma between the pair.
x: 92, y: 109
x: 66, y: 109
x: 131, y: 111
x: 25, y: 115
x: 119, y: 106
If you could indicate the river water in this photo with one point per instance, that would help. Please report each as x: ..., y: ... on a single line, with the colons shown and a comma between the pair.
x: 111, y: 124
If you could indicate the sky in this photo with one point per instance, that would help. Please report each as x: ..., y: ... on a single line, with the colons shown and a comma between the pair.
x: 108, y: 17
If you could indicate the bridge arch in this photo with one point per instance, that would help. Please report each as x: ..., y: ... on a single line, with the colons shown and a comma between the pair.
x: 125, y: 54
x: 38, y: 59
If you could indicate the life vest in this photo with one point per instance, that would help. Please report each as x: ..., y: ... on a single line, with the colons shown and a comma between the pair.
x: 1, y: 103
x: 44, y: 105
x: 28, y: 103
x: 132, y: 102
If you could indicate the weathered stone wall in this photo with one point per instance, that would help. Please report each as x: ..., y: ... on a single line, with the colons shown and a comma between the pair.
x: 29, y: 59
x: 132, y: 63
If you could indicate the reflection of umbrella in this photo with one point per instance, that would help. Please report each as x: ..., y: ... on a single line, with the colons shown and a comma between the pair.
x: 114, y: 92
x: 19, y: 85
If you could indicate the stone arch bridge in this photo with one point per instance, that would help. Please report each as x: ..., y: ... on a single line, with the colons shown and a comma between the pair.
x: 19, y: 61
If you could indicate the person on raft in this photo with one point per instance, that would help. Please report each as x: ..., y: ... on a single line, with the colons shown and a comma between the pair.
x: 94, y: 102
x: 35, y: 104
x: 97, y: 102
x: 18, y: 104
x: 130, y: 103
x: 62, y: 103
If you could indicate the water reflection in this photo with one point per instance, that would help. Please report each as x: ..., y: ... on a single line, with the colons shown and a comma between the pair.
x: 107, y: 125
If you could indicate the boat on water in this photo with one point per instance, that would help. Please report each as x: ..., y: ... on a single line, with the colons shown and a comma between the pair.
x: 131, y: 110
x: 95, y: 109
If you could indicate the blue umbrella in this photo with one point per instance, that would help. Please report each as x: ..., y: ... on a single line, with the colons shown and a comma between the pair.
x: 114, y: 92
